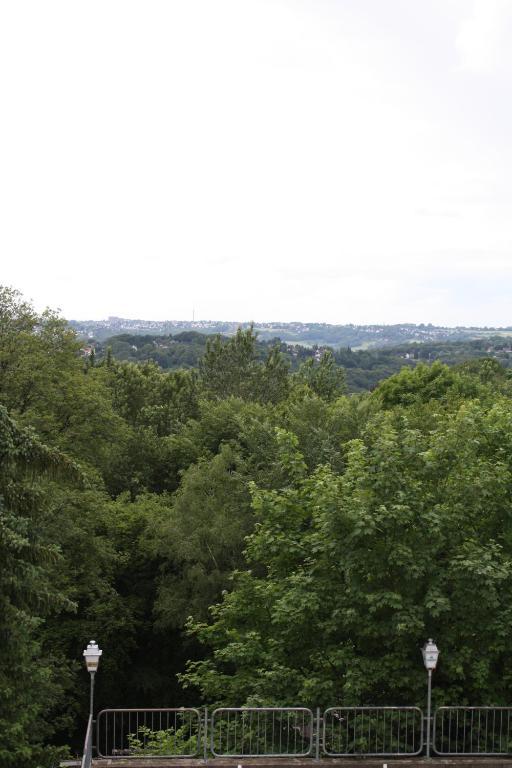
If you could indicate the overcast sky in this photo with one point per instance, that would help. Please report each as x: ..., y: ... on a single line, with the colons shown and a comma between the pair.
x: 332, y: 161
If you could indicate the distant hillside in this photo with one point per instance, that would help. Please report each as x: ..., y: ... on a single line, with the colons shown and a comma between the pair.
x: 308, y: 334
x: 364, y: 367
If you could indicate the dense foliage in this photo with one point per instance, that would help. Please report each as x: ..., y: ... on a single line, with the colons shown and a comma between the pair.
x: 242, y: 530
x: 363, y: 368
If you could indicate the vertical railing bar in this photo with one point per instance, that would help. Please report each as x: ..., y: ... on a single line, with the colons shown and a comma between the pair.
x: 205, y: 735
x: 317, y: 745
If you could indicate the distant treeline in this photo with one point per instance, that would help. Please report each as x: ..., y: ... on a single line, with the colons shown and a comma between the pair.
x: 365, y: 368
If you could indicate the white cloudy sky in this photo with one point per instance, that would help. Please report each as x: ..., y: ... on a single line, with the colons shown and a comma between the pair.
x: 321, y: 160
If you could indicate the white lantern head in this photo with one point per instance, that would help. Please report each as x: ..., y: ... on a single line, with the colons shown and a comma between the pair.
x: 430, y: 654
x: 92, y: 656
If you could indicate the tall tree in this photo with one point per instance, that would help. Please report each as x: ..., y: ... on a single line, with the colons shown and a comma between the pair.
x: 27, y: 594
x: 348, y: 574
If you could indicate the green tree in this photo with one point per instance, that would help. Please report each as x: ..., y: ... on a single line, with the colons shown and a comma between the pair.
x: 27, y: 593
x: 325, y: 378
x: 232, y: 368
x: 201, y: 537
x: 350, y: 573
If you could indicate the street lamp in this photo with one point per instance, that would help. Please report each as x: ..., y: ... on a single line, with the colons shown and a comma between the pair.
x: 92, y: 659
x: 430, y: 653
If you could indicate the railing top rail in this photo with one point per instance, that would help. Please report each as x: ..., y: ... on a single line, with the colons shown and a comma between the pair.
x: 150, y: 709
x: 369, y: 708
x: 262, y: 709
x: 457, y: 706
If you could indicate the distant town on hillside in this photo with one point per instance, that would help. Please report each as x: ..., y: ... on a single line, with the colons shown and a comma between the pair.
x: 307, y: 334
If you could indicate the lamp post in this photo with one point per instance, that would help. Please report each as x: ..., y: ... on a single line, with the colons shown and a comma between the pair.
x: 92, y: 659
x: 430, y: 653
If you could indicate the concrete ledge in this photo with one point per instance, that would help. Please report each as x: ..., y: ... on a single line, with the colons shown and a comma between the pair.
x: 286, y: 762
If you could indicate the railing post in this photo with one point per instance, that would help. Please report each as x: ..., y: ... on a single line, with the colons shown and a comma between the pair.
x: 317, y: 745
x: 205, y: 736
x: 429, y: 700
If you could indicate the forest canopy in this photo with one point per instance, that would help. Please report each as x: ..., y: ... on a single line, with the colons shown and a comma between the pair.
x: 243, y: 531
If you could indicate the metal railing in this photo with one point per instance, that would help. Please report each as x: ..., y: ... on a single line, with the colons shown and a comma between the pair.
x: 262, y: 732
x: 372, y: 731
x: 473, y: 731
x: 174, y: 732
x: 87, y: 756
x: 298, y: 732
